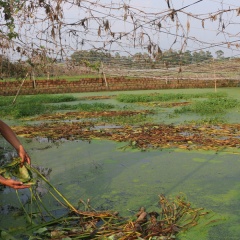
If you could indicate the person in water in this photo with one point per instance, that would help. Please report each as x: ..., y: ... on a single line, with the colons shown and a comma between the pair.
x: 11, y: 137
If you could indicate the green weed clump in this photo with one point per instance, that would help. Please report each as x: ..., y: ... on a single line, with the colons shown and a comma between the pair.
x: 27, y: 106
x: 84, y: 107
x: 209, y: 120
x: 209, y: 107
x: 46, y: 98
x: 4, y: 101
x: 134, y: 98
x: 43, y: 98
x: 27, y: 110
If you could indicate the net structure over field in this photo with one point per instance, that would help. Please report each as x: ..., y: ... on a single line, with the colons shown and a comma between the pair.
x: 56, y: 29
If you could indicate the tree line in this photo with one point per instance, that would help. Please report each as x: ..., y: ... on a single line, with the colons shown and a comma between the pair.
x: 93, y: 60
x: 143, y: 60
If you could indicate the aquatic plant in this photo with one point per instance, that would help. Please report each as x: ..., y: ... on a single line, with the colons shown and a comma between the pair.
x: 174, y: 215
x: 133, y: 98
x: 128, y: 119
x: 27, y: 106
x: 17, y: 170
x: 209, y: 106
x: 192, y: 136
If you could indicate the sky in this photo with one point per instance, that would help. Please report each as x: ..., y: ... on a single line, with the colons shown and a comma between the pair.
x: 207, y: 38
x: 194, y: 27
x: 212, y: 37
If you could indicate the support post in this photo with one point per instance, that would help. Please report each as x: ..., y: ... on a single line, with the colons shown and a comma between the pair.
x: 14, y: 100
x: 104, y: 76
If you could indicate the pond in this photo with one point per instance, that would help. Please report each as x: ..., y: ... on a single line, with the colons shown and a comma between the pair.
x: 125, y: 180
x: 116, y: 177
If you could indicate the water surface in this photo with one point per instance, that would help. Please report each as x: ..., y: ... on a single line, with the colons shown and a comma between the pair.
x: 125, y: 180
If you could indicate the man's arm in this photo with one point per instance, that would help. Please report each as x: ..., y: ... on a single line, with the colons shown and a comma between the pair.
x: 10, y: 136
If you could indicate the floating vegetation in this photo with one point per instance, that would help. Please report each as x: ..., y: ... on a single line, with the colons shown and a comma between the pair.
x: 165, y: 104
x: 209, y: 137
x: 174, y: 216
x: 138, y: 118
x: 91, y: 114
x: 84, y: 222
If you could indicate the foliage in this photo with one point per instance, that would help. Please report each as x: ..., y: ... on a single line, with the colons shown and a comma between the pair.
x: 132, y: 98
x: 220, y: 54
x: 46, y: 29
x: 34, y: 99
x: 17, y: 170
x: 25, y: 110
x: 93, y: 55
x: 8, y: 11
x: 91, y: 59
x: 142, y: 60
x: 33, y: 105
x: 210, y: 121
x: 29, y: 106
x: 126, y: 120
x: 11, y: 69
x: 84, y: 107
x: 173, y: 217
x: 210, y: 106
x: 176, y: 215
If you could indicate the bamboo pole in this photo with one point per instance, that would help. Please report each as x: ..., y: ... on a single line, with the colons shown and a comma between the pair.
x: 104, y: 76
x: 14, y: 100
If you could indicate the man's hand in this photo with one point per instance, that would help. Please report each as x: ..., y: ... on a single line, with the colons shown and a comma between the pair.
x: 23, y: 155
x: 13, y: 184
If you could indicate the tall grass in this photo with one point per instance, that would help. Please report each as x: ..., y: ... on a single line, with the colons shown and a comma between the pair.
x: 134, y: 98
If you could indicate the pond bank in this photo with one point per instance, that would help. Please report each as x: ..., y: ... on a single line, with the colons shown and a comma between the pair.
x: 113, y: 84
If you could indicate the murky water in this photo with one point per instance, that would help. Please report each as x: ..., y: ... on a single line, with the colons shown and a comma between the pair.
x: 126, y: 180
